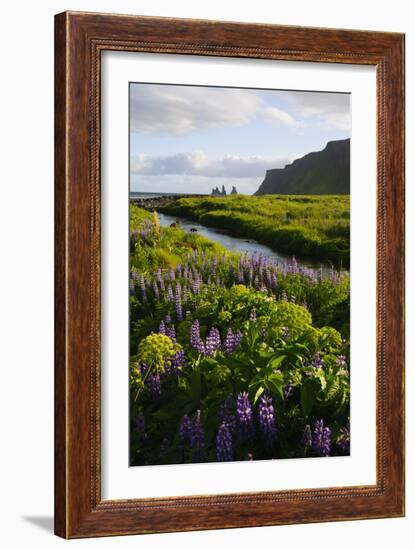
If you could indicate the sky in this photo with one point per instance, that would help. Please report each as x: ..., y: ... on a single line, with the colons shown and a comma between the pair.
x: 189, y: 139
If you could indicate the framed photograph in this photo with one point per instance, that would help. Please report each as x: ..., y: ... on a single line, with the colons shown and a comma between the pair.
x: 229, y: 275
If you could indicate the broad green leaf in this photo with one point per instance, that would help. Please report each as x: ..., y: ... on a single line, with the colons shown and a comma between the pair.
x: 258, y: 394
x: 275, y: 383
x: 276, y: 362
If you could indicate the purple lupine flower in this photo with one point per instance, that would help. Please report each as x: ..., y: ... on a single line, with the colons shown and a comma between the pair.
x: 170, y: 295
x: 162, y: 328
x: 252, y: 315
x: 224, y: 443
x: 139, y: 423
x: 285, y: 333
x: 284, y: 297
x: 226, y: 413
x: 177, y: 362
x: 196, y: 341
x: 172, y: 275
x: 244, y: 416
x: 178, y: 306
x: 306, y: 440
x: 132, y: 289
x: 320, y: 440
x: 229, y: 342
x: 196, y: 286
x: 288, y: 390
x: 153, y: 384
x: 197, y: 439
x: 237, y: 338
x: 213, y: 343
x: 267, y: 420
x: 143, y: 288
x: 341, y: 361
x: 171, y: 333
x: 146, y: 230
x: 167, y: 319
x: 226, y: 407
x: 317, y: 361
x: 156, y: 290
x: 185, y: 428
x: 294, y: 265
x: 343, y: 441
x: 268, y: 277
x: 160, y: 281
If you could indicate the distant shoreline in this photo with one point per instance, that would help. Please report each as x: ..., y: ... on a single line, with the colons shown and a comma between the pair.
x: 149, y: 194
x: 154, y: 201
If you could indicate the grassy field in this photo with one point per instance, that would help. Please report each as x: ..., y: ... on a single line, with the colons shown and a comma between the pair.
x: 315, y: 227
x: 153, y: 247
x: 233, y: 356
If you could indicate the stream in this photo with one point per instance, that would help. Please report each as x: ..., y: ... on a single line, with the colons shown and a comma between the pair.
x: 237, y: 244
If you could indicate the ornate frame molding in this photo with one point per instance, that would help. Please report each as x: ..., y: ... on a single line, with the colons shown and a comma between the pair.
x: 79, y: 40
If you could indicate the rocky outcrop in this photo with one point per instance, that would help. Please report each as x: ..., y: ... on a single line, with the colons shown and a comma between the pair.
x: 325, y: 172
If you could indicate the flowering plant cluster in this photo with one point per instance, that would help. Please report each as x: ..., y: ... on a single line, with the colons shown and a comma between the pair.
x: 234, y: 357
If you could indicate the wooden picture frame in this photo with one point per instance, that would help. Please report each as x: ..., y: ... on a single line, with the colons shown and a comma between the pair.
x: 79, y: 40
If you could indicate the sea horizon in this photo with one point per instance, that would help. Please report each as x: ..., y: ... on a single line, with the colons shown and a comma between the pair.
x: 149, y: 195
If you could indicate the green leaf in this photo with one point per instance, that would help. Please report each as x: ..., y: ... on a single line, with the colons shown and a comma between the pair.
x: 265, y: 354
x: 308, y: 394
x: 276, y: 362
x: 332, y: 388
x: 275, y: 383
x: 321, y: 377
x: 258, y: 394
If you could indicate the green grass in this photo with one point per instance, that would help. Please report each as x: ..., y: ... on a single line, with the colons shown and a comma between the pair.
x: 164, y: 247
x: 137, y: 217
x: 307, y: 226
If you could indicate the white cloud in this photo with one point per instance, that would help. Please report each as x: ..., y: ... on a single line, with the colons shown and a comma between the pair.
x: 273, y: 114
x: 333, y: 109
x: 198, y: 164
x: 179, y: 110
